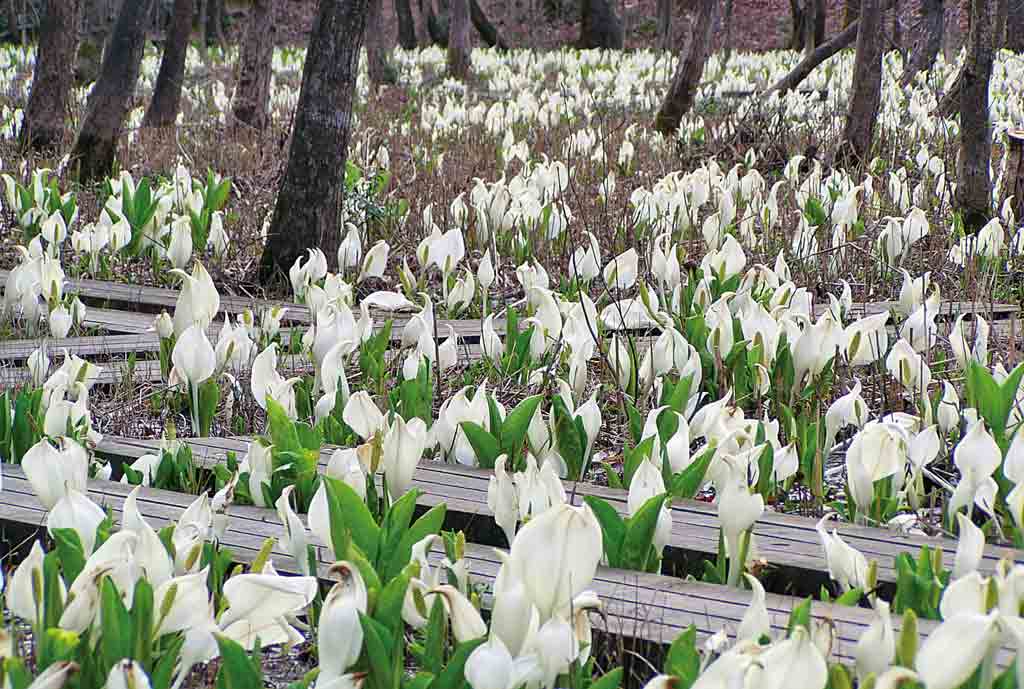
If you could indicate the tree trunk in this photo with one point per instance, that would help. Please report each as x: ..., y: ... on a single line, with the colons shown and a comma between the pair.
x: 1014, y: 180
x: 999, y: 21
x: 866, y: 91
x: 823, y: 52
x: 97, y: 18
x: 665, y: 24
x: 693, y: 53
x: 216, y: 20
x: 799, y: 34
x: 252, y: 97
x: 406, y: 25
x: 306, y: 214
x: 51, y: 80
x: 820, y: 12
x: 111, y: 97
x: 851, y: 12
x: 488, y: 32
x: 728, y: 33
x: 927, y: 41
x: 458, y: 39
x: 437, y: 26
x: 163, y: 109
x: 1015, y: 26
x: 377, y: 65
x: 600, y: 27
x: 973, y: 184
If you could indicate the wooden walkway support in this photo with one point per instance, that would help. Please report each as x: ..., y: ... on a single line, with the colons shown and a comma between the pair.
x: 785, y: 541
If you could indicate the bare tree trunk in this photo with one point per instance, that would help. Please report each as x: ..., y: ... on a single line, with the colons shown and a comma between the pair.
x: 437, y: 26
x: 1014, y: 180
x: 693, y: 53
x: 866, y: 91
x: 927, y: 41
x: 600, y: 27
x: 999, y: 22
x: 308, y: 204
x: 728, y: 33
x: 823, y: 52
x: 851, y: 12
x: 406, y: 24
x: 810, y: 26
x: 252, y: 97
x: 377, y: 65
x: 458, y: 39
x: 163, y: 109
x: 97, y: 18
x: 488, y: 32
x: 53, y: 75
x: 799, y: 35
x: 973, y: 183
x: 820, y: 12
x: 1015, y: 26
x: 111, y: 97
x: 216, y: 20
x: 204, y: 33
x: 665, y: 24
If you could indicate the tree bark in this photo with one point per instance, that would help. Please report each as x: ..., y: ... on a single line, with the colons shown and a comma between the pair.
x: 377, y: 65
x: 999, y: 21
x: 823, y: 52
x: 851, y: 12
x: 97, y: 18
x: 727, y: 20
x: 600, y: 27
x: 693, y: 53
x: 799, y: 34
x: 306, y: 214
x: 53, y: 75
x: 1015, y: 172
x: 163, y: 109
x: 458, y: 39
x: 866, y: 91
x: 111, y: 97
x: 437, y: 25
x: 1015, y: 26
x: 973, y: 183
x: 665, y: 24
x: 252, y: 97
x: 927, y: 41
x: 406, y: 25
x: 488, y: 32
x: 820, y: 12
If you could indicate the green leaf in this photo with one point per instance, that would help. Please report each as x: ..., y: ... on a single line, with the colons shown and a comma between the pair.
x: 485, y: 446
x: 454, y: 671
x: 388, y: 608
x: 396, y: 523
x: 639, y: 538
x: 237, y: 669
x: 209, y: 396
x: 609, y: 680
x: 350, y: 515
x: 800, y: 617
x: 683, y: 660
x: 516, y: 424
x: 613, y: 528
x: 283, y: 434
x: 636, y: 422
x: 378, y: 647
x: 430, y: 523
x: 493, y: 417
x: 70, y: 551
x: 850, y: 598
x: 117, y: 637
x: 633, y: 457
x: 687, y: 482
x: 568, y: 440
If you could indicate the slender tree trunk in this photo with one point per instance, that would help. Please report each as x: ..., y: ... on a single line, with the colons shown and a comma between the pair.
x: 799, y: 35
x: 820, y: 12
x: 693, y: 53
x: 810, y: 26
x: 163, y: 109
x: 96, y: 21
x: 488, y: 32
x: 53, y: 75
x: 727, y: 20
x: 111, y: 97
x: 866, y: 91
x: 973, y: 183
x: 437, y: 25
x: 252, y: 97
x: 927, y: 41
x: 665, y: 24
x: 1015, y: 26
x: 851, y: 12
x: 308, y: 206
x: 1014, y: 180
x: 823, y: 52
x: 204, y: 31
x: 458, y: 39
x: 406, y: 25
x: 216, y: 20
x: 377, y: 65
x: 600, y: 27
x: 999, y: 21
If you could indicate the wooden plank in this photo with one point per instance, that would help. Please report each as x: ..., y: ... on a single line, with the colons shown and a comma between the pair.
x: 642, y: 607
x: 783, y: 540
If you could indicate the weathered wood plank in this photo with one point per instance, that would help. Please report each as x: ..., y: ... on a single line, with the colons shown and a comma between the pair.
x: 642, y: 607
x: 783, y: 540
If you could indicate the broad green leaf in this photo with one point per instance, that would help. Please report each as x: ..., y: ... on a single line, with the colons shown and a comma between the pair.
x: 430, y: 523
x: 613, y: 528
x: 349, y: 513
x: 516, y: 424
x: 485, y: 445
x: 237, y: 669
x: 687, y: 482
x: 683, y: 660
x: 640, y: 528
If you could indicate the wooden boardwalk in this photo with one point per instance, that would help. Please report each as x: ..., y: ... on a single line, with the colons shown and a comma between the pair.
x: 641, y: 607
x: 783, y: 540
